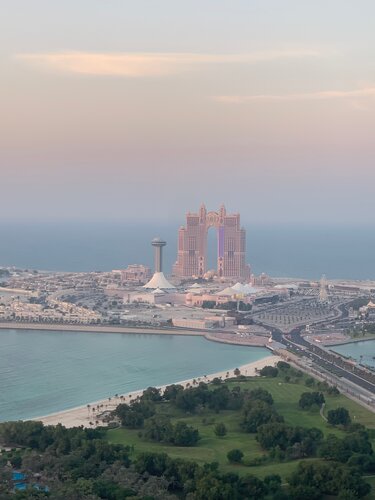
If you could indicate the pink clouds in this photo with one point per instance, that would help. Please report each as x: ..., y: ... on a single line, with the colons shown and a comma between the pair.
x: 308, y: 96
x: 126, y: 64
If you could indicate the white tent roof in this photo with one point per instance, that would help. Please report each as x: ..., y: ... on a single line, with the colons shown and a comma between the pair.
x: 239, y: 289
x: 250, y: 290
x: 159, y: 281
x: 227, y: 291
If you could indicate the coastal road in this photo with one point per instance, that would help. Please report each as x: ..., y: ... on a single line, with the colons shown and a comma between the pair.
x: 318, y: 355
x: 294, y: 342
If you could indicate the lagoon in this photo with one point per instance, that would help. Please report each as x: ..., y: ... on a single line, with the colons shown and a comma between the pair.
x: 360, y: 351
x: 42, y: 372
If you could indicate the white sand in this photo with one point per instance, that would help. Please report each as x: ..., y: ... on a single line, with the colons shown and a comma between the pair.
x: 83, y: 415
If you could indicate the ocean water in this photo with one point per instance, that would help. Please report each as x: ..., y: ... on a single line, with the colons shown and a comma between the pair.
x: 279, y: 250
x: 42, y: 372
x: 361, y: 351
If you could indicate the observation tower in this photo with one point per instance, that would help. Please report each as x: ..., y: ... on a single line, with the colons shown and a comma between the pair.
x: 158, y: 281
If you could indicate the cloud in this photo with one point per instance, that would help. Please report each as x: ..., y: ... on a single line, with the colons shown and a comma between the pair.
x: 128, y: 64
x: 310, y: 96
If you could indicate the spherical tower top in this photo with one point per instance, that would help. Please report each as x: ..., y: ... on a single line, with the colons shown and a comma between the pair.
x: 158, y: 242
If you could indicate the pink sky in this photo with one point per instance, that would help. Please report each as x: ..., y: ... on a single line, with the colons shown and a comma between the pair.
x: 114, y: 110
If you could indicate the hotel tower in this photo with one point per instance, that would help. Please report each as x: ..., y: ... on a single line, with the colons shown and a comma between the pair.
x: 231, y: 245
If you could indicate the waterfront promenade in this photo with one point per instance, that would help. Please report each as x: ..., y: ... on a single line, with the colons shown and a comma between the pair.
x: 224, y: 337
x: 9, y: 325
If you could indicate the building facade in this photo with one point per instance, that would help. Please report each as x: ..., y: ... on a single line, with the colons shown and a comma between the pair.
x: 231, y: 245
x: 135, y: 273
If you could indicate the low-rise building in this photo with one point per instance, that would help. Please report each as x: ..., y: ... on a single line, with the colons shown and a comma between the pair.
x: 134, y: 273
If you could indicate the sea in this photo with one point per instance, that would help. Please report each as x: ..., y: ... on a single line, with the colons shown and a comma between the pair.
x: 42, y: 372
x: 363, y: 352
x: 300, y: 251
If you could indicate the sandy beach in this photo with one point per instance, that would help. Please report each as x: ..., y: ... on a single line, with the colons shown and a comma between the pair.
x: 83, y: 415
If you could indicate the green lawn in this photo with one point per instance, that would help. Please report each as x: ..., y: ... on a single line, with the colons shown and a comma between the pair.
x: 211, y: 448
x: 371, y: 481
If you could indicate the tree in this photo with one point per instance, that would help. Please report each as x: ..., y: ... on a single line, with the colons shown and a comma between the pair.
x: 251, y: 487
x: 310, y: 399
x: 282, y: 365
x: 260, y: 395
x: 131, y: 418
x: 158, y: 428
x: 257, y: 413
x: 171, y: 391
x: 185, y: 435
x: 151, y: 394
x: 317, y: 480
x: 218, y: 399
x: 237, y: 372
x: 333, y: 391
x: 235, y: 456
x: 190, y: 398
x: 269, y: 371
x: 220, y: 429
x: 340, y: 416
x: 273, y: 482
x: 309, y: 382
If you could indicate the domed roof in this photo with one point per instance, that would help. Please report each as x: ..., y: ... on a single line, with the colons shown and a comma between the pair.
x: 158, y: 241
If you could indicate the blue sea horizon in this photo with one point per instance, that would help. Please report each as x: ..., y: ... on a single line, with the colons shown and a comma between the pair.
x: 279, y: 250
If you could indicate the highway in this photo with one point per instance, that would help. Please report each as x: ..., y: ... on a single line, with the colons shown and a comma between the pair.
x: 294, y: 342
x: 332, y: 364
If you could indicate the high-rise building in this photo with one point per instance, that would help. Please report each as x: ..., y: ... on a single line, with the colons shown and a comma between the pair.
x: 231, y: 245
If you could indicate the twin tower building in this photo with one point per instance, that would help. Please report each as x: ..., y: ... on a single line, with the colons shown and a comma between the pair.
x: 231, y: 245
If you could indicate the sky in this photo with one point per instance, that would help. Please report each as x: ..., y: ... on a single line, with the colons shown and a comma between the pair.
x: 118, y: 110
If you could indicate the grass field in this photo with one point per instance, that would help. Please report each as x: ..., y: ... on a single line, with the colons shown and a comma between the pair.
x: 371, y: 480
x: 212, y: 448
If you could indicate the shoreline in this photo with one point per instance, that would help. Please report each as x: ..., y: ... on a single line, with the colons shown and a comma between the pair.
x: 9, y: 325
x: 350, y: 341
x: 83, y: 415
x: 211, y: 335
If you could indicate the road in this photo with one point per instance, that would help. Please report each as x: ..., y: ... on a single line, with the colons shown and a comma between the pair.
x: 294, y: 342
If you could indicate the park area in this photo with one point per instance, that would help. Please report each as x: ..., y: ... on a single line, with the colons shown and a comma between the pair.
x: 285, y: 391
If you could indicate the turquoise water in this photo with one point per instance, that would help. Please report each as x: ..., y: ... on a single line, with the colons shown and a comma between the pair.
x: 356, y: 350
x: 42, y: 372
